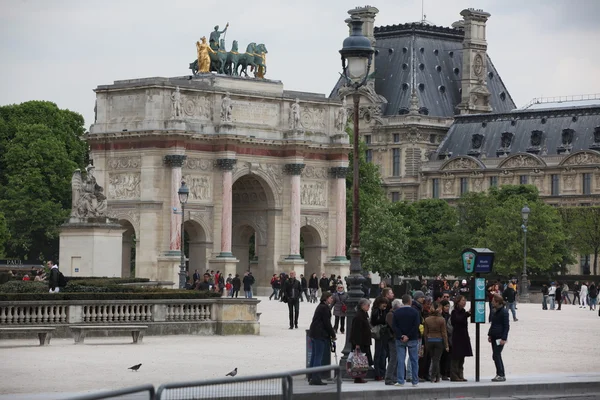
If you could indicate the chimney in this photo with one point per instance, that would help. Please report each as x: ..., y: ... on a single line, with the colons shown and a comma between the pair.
x: 367, y: 15
x: 475, y: 97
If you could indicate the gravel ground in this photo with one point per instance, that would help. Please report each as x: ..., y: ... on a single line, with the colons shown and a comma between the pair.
x: 540, y: 343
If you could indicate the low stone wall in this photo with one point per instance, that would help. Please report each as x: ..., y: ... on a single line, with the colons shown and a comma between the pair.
x: 221, y: 316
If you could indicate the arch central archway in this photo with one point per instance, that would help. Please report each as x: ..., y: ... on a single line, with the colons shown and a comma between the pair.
x: 196, y: 247
x: 252, y: 217
x: 313, y: 251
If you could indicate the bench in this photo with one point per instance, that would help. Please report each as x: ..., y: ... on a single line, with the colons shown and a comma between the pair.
x: 79, y: 331
x: 44, y: 332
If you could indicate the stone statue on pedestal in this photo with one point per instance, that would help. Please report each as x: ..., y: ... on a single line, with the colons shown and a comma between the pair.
x: 342, y: 117
x: 295, y: 115
x: 226, y: 108
x: 176, y: 103
x: 88, y: 197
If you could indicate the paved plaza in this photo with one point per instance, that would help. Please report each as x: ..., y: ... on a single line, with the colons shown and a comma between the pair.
x: 543, y: 346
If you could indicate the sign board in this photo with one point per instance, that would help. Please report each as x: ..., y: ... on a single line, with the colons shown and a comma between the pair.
x: 479, y: 292
x: 477, y: 260
x: 479, y: 311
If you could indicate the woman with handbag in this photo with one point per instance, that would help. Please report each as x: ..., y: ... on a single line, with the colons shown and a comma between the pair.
x: 461, y: 342
x: 436, y: 339
x: 360, y: 332
x: 380, y: 334
x: 339, y: 308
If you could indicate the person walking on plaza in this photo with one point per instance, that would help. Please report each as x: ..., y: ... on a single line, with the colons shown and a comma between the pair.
x: 360, y: 332
x: 236, y: 285
x: 445, y: 360
x: 544, y: 297
x: 436, y: 339
x: 320, y: 333
x: 292, y: 292
x: 552, y: 295
x: 304, y: 286
x: 340, y: 297
x: 593, y: 294
x: 498, y: 335
x: 583, y: 293
x: 324, y: 283
x: 276, y: 286
x: 406, y: 323
x: 53, y: 285
x: 391, y: 372
x: 313, y: 288
x: 576, y: 288
x: 565, y: 294
x: 461, y: 342
x: 558, y: 295
x: 509, y: 296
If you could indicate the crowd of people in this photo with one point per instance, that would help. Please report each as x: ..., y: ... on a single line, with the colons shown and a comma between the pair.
x: 420, y: 337
x: 585, y: 294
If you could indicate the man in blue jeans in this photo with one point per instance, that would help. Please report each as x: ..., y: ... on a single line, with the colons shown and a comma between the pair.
x: 406, y: 323
x: 320, y: 333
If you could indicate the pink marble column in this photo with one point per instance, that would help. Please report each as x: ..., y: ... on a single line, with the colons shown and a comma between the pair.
x: 295, y: 170
x: 175, y: 161
x: 339, y: 174
x: 226, y: 165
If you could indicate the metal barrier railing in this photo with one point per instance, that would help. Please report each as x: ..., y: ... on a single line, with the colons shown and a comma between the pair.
x: 260, y: 387
x: 144, y: 392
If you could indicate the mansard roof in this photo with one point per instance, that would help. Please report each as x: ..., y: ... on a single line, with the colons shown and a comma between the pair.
x: 428, y: 58
x: 541, y: 132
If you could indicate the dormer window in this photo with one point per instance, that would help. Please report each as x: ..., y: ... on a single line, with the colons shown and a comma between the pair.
x: 596, y: 144
x: 535, y: 142
x: 476, y: 143
x: 566, y: 141
x: 505, y: 142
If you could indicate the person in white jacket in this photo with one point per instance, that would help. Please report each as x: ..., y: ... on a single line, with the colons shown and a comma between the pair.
x: 583, y: 294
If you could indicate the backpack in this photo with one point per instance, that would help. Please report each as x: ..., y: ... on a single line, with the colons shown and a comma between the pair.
x: 62, y: 281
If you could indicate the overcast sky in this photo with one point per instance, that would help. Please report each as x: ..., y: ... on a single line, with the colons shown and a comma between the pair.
x: 60, y: 50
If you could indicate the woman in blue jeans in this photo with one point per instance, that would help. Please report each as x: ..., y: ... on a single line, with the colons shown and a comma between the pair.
x: 320, y: 333
x: 498, y: 335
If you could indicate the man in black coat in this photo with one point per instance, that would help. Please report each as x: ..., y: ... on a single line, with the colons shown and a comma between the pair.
x: 324, y: 283
x: 320, y: 333
x: 304, y: 286
x: 292, y: 291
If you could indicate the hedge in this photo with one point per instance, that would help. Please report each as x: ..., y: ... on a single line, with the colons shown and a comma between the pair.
x: 159, y: 294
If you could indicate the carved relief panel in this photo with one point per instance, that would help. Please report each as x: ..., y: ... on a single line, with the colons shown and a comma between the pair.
x: 200, y: 186
x: 313, y: 193
x: 117, y: 163
x: 124, y: 185
x: 507, y: 178
x: 201, y: 164
x: 569, y: 180
x: 255, y: 112
x: 477, y: 181
x: 314, y: 118
x: 448, y: 185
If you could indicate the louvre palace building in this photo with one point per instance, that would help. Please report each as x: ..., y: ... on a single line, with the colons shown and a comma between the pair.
x: 439, y: 121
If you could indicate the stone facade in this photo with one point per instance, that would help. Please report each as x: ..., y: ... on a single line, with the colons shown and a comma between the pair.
x: 232, y: 141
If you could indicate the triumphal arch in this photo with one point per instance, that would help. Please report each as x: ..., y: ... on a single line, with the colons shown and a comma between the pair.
x: 260, y: 162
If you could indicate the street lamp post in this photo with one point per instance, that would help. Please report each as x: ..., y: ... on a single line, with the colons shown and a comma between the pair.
x: 183, y: 193
x: 357, y: 56
x: 524, y: 289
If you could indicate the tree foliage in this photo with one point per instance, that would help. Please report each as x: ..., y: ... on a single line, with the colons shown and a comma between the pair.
x: 583, y: 227
x: 40, y: 146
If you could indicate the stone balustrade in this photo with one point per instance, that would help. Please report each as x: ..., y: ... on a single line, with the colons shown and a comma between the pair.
x: 182, y: 316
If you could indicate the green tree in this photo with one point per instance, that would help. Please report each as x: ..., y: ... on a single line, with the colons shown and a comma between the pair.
x: 583, y: 226
x: 493, y: 220
x: 4, y: 235
x: 40, y: 146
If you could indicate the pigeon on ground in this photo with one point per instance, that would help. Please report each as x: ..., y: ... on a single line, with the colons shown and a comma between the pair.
x: 232, y: 373
x: 135, y: 367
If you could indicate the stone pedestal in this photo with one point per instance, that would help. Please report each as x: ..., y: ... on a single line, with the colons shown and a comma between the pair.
x: 287, y: 265
x: 341, y: 268
x: 91, y: 247
x: 167, y: 268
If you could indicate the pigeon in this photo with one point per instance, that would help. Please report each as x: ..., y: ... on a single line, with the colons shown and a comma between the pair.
x: 135, y: 367
x: 232, y: 373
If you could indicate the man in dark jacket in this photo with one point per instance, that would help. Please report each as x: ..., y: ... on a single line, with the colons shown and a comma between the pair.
x: 292, y: 291
x: 498, y: 335
x: 324, y: 283
x: 53, y: 278
x: 304, y: 286
x: 248, y: 282
x: 406, y: 323
x: 320, y: 333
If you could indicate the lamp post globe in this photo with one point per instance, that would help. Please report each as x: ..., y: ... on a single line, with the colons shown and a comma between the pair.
x: 524, y: 279
x: 357, y: 55
x: 183, y: 194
